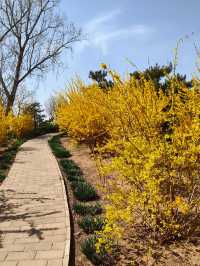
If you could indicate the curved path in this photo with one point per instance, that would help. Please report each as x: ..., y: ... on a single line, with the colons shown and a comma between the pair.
x: 34, y: 216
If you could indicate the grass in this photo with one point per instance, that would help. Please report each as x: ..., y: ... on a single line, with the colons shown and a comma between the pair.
x: 85, y: 209
x: 72, y: 171
x: 70, y: 168
x: 75, y: 178
x: 68, y: 164
x: 7, y: 158
x: 83, y: 191
x: 91, y: 224
x: 57, y: 148
x: 2, y: 176
x: 74, y: 183
x: 89, y: 249
x: 15, y: 146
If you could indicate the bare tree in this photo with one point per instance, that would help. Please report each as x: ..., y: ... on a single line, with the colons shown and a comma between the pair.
x: 23, y: 97
x: 36, y: 36
x: 50, y: 107
x: 4, y: 31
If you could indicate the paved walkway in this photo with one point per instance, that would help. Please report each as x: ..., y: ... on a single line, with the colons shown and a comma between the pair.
x: 34, y: 220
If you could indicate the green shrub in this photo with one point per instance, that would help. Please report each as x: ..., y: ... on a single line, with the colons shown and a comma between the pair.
x: 15, y: 146
x: 75, y: 178
x: 45, y: 127
x: 83, y: 209
x: 84, y: 191
x: 70, y: 167
x: 67, y: 164
x: 2, y: 176
x: 72, y: 171
x: 91, y: 224
x: 57, y: 148
x: 6, y: 159
x: 75, y: 182
x: 89, y: 249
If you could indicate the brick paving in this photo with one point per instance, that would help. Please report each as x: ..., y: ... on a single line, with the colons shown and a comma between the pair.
x: 34, y: 216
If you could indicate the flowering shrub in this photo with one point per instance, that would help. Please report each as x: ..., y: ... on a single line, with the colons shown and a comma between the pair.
x: 155, y: 165
x: 3, y: 125
x: 80, y: 112
x: 20, y: 125
x: 16, y: 125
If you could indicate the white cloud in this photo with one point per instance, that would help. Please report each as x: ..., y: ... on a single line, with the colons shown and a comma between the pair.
x: 101, y: 32
x: 93, y: 24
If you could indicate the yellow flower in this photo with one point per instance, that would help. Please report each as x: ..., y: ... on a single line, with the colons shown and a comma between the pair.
x: 147, y: 167
x: 104, y: 66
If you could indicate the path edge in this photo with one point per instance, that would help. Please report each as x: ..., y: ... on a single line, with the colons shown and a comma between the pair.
x: 67, y: 220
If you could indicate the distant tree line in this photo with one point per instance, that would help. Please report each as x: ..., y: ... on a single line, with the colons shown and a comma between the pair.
x: 161, y: 76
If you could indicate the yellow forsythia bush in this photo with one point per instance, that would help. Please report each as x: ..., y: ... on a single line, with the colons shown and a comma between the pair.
x: 80, y: 113
x: 156, y: 187
x: 17, y: 125
x: 153, y: 185
x: 3, y: 125
x: 20, y: 125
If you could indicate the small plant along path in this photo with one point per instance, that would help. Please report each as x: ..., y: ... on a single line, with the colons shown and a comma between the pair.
x: 34, y: 217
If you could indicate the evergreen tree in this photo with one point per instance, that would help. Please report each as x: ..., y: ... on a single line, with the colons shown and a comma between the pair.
x: 36, y: 111
x: 100, y: 76
x: 161, y: 76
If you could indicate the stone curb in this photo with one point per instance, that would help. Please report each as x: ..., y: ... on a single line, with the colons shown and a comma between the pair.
x: 67, y: 222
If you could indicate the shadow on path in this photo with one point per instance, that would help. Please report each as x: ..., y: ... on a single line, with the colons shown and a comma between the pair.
x: 9, y: 208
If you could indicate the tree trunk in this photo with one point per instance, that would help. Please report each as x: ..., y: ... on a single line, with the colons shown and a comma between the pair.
x: 10, y: 102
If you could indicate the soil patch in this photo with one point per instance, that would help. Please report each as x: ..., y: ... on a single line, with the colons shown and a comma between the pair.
x: 177, y: 254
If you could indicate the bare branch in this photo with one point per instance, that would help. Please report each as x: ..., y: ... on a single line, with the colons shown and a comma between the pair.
x: 34, y: 37
x: 11, y: 25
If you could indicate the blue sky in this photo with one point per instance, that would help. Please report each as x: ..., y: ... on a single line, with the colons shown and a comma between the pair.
x: 144, y: 31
